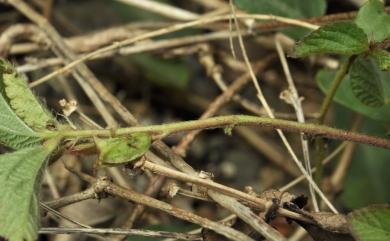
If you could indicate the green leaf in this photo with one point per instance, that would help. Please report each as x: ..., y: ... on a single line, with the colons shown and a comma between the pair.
x: 20, y: 174
x: 337, y: 38
x: 371, y: 223
x: 382, y: 57
x: 369, y: 84
x: 121, y: 150
x: 373, y: 19
x: 285, y: 8
x: 21, y: 99
x: 347, y: 98
x: 14, y: 132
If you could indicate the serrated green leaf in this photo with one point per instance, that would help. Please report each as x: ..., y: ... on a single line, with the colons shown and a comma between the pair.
x: 382, y: 57
x: 20, y: 173
x: 371, y: 223
x: 338, y: 38
x: 347, y: 98
x: 14, y: 132
x: 21, y: 99
x: 369, y: 84
x: 373, y: 19
x: 285, y: 8
x: 121, y: 150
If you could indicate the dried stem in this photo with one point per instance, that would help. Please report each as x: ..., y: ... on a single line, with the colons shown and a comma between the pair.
x: 291, y: 96
x: 162, y: 9
x: 77, y: 197
x: 116, y: 231
x: 60, y: 215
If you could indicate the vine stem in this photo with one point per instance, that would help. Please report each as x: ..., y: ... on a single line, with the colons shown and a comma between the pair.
x: 341, y: 73
x: 226, y: 121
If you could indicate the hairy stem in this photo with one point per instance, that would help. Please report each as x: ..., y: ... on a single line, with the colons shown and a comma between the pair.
x: 341, y: 73
x: 227, y: 121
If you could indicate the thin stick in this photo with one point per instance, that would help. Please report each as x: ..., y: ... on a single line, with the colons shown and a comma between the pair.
x: 292, y: 97
x: 116, y: 231
x: 67, y: 200
x: 162, y: 9
x: 60, y: 215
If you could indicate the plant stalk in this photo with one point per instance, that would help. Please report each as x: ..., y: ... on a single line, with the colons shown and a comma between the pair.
x: 222, y: 122
x: 341, y: 73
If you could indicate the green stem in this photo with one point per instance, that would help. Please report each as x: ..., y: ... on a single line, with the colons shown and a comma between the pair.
x: 227, y: 121
x: 341, y: 73
x: 319, y: 143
